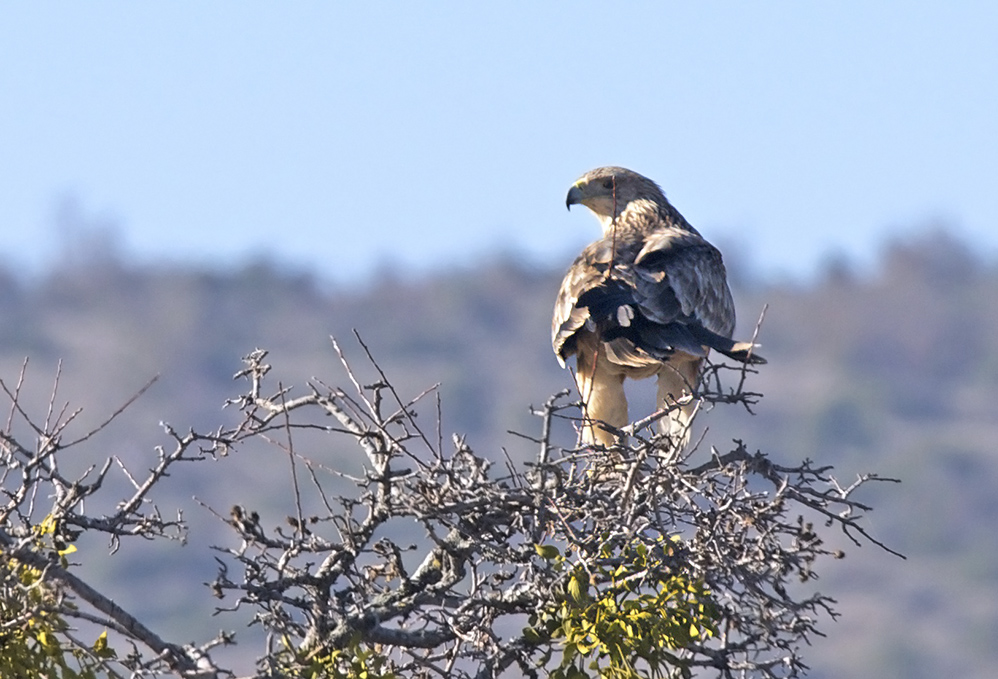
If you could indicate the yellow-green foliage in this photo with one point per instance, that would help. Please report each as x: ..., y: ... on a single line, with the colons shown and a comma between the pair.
x: 623, y: 613
x: 32, y: 637
x: 355, y: 661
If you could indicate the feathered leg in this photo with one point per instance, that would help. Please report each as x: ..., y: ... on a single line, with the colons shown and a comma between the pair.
x: 603, y: 399
x: 677, y: 379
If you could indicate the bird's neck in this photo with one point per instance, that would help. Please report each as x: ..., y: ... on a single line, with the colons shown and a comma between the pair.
x: 642, y: 214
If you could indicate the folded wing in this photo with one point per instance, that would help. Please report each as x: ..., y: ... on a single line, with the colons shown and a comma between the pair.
x: 672, y: 296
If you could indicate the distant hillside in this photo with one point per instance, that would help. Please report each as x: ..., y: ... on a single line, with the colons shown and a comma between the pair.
x: 896, y: 373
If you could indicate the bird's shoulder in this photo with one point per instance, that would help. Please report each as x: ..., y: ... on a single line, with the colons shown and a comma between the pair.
x: 586, y: 272
x: 680, y: 286
x: 672, y: 246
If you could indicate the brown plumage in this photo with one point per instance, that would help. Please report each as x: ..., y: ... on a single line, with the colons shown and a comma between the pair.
x: 650, y: 298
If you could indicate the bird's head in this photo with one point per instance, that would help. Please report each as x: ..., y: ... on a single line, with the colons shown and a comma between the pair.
x: 608, y: 191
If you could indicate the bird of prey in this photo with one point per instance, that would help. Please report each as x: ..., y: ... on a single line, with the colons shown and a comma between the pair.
x: 650, y: 298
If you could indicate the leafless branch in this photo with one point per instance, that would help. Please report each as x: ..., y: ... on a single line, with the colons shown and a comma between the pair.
x: 430, y: 555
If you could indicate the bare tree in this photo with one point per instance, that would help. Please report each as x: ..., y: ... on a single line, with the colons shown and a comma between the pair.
x: 647, y: 559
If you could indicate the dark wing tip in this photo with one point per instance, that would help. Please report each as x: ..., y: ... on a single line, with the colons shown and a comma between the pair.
x: 739, y: 351
x: 746, y: 356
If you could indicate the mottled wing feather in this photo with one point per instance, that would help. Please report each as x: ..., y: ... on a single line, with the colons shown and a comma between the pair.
x: 652, y: 328
x: 677, y: 265
x: 568, y: 317
x: 667, y: 293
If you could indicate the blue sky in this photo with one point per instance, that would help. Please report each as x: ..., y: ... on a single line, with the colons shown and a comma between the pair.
x: 347, y: 136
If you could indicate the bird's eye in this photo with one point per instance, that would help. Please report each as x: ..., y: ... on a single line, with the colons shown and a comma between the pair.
x: 607, y: 183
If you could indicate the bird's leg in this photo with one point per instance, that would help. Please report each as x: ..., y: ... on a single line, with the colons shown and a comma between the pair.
x: 676, y: 382
x: 603, y: 400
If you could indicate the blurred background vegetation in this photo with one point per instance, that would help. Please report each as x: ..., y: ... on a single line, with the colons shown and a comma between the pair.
x: 890, y: 368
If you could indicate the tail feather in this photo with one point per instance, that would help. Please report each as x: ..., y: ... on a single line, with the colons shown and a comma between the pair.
x: 739, y: 351
x: 744, y: 352
x: 613, y: 307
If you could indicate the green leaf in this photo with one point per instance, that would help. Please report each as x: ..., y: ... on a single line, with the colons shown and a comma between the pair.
x: 548, y: 552
x: 532, y: 636
x: 577, y: 588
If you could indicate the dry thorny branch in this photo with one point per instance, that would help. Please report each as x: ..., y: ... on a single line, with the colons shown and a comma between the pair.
x: 431, y: 556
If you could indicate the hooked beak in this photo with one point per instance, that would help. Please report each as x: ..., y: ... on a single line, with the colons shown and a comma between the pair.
x: 574, y: 197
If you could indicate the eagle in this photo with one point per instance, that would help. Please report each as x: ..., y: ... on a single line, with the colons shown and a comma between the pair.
x: 649, y: 298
